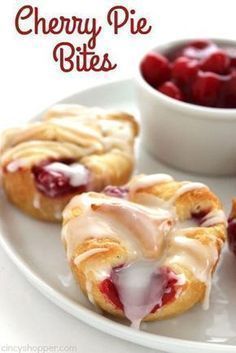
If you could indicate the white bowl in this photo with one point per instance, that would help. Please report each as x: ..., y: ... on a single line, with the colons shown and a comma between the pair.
x: 187, y: 136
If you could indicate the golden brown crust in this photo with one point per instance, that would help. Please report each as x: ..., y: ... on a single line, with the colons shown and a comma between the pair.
x: 21, y: 191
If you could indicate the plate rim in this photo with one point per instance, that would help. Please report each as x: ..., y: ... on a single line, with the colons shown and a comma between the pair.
x: 90, y: 317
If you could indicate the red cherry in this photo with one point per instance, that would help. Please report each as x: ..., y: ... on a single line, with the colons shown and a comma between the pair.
x: 108, y: 288
x: 184, y: 70
x: 53, y: 184
x: 170, y: 89
x: 217, y: 62
x: 199, y: 49
x: 232, y: 55
x: 170, y: 292
x: 206, y: 89
x: 232, y: 235
x: 200, y: 43
x: 155, y: 68
x: 229, y: 91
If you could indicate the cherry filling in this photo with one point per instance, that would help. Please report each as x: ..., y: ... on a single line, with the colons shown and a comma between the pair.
x: 54, y: 182
x: 232, y: 234
x: 200, y: 72
x: 116, y: 191
x: 109, y: 289
x: 200, y: 215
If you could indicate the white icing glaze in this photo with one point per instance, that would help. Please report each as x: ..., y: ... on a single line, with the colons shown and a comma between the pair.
x: 14, y: 166
x: 36, y: 201
x: 186, y: 187
x: 146, y: 181
x: 87, y: 254
x: 66, y: 280
x: 192, y: 254
x: 68, y: 132
x: 78, y: 125
x: 77, y: 173
x: 57, y: 212
x: 90, y: 292
x: 141, y: 287
x: 214, y: 217
x: 206, y: 299
x: 149, y: 230
x: 113, y: 217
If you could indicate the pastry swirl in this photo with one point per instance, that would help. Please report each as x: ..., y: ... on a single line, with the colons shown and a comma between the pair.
x: 169, y: 232
x: 100, y: 141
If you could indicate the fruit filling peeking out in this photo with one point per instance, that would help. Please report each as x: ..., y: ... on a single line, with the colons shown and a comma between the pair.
x: 116, y: 191
x: 232, y: 235
x: 200, y: 72
x: 59, y: 178
x: 140, y: 288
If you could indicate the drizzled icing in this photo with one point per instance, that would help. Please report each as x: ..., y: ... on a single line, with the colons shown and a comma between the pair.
x: 87, y: 254
x: 15, y: 165
x: 214, y: 217
x: 76, y: 172
x: 186, y: 187
x: 112, y: 217
x: 150, y: 230
x: 67, y: 132
x: 140, y: 296
x: 146, y: 181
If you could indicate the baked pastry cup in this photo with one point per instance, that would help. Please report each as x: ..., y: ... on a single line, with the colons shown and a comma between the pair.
x: 145, y: 251
x: 71, y: 150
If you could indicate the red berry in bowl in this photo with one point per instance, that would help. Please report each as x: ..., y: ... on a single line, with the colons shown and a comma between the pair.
x: 200, y: 44
x: 155, y: 68
x: 184, y: 70
x: 206, y: 89
x: 229, y: 92
x: 232, y: 55
x: 218, y: 62
x: 199, y: 49
x: 170, y: 89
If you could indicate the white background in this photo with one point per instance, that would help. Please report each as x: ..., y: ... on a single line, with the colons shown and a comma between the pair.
x: 30, y: 81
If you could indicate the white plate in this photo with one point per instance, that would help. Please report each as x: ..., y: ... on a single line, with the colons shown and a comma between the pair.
x: 36, y: 249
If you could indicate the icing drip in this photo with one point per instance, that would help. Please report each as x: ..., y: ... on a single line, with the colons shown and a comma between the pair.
x: 112, y: 217
x: 76, y: 173
x: 15, y: 165
x: 87, y: 254
x: 214, y: 217
x: 36, y: 201
x: 66, y: 280
x: 141, y: 287
x: 186, y: 187
x: 191, y: 253
x: 89, y: 291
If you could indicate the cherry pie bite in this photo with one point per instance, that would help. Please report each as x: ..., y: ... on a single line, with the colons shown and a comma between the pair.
x: 148, y: 250
x: 73, y: 149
